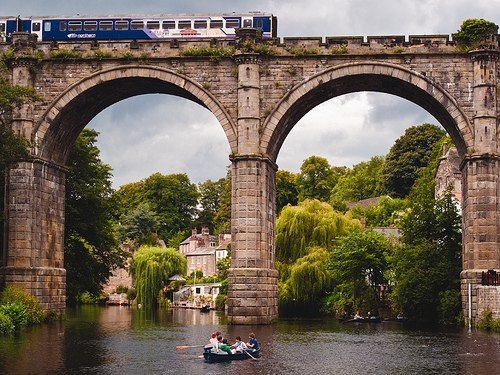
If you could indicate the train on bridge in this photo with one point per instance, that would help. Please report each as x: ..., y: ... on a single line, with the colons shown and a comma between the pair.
x: 168, y: 26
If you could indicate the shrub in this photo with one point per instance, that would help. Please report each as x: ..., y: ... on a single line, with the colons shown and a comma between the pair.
x: 17, y: 314
x: 473, y: 32
x: 86, y: 298
x: 14, y: 294
x: 6, y: 325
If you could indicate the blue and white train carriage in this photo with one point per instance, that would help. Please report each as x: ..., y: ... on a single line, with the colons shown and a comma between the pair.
x: 140, y: 28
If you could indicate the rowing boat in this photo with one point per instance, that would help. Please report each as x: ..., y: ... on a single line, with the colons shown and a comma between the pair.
x: 211, y: 355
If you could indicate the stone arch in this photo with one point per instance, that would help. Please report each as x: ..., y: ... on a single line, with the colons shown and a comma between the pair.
x: 365, y: 76
x: 65, y: 118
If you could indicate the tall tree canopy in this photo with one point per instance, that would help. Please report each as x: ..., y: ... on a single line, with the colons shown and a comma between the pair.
x: 359, y: 262
x: 426, y: 270
x: 412, y: 151
x: 311, y: 223
x: 361, y: 182
x: 211, y: 201
x: 317, y: 178
x: 286, y: 189
x: 172, y: 198
x: 91, y: 249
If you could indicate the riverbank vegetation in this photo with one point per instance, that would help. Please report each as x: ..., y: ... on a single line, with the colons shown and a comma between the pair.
x: 18, y: 310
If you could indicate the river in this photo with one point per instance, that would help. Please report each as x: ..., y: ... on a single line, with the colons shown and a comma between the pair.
x: 121, y: 340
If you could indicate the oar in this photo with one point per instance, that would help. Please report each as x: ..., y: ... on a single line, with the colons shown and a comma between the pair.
x: 251, y: 356
x: 189, y: 346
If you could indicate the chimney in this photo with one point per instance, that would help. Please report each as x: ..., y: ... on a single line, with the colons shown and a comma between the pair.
x: 204, y: 235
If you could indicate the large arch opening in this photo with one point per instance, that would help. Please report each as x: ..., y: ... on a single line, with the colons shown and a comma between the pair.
x: 375, y: 77
x: 84, y: 100
x: 350, y: 80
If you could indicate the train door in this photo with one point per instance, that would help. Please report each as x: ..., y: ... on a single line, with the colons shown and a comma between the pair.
x: 247, y: 22
x: 36, y: 28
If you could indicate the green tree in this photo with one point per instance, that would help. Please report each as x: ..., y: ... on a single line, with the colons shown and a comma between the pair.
x: 317, y: 178
x: 139, y: 226
x: 473, y: 33
x: 222, y: 220
x: 172, y: 198
x: 151, y: 268
x: 91, y: 249
x: 361, y: 182
x: 359, y: 262
x: 412, y: 151
x: 311, y: 223
x: 426, y: 270
x: 387, y: 212
x: 286, y: 190
x: 307, y: 281
x: 210, y: 201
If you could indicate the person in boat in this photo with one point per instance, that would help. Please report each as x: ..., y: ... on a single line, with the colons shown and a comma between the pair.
x: 252, y: 344
x: 224, y: 346
x: 238, y: 346
x: 213, y: 340
x: 357, y: 316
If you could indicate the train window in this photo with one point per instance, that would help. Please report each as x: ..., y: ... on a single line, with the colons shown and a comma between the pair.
x: 106, y: 25
x: 36, y: 26
x: 2, y: 27
x: 47, y: 26
x: 216, y: 24
x: 74, y: 25
x: 136, y: 25
x: 247, y: 23
x: 62, y: 26
x: 258, y: 24
x: 200, y: 24
x: 168, y: 25
x: 121, y: 25
x: 89, y: 25
x: 233, y: 23
x: 153, y: 25
x: 185, y: 24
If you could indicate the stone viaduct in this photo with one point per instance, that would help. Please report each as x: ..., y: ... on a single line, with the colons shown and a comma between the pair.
x: 258, y: 90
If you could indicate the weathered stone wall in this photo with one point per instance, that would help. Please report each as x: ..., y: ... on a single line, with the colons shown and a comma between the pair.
x: 258, y: 95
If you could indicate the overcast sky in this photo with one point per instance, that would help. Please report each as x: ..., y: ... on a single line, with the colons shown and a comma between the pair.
x: 141, y: 135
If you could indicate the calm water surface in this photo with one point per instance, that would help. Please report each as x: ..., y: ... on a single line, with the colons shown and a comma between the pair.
x: 120, y: 340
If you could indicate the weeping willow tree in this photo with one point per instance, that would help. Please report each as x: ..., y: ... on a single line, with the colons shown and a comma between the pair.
x: 304, y: 236
x: 151, y: 267
x: 311, y: 223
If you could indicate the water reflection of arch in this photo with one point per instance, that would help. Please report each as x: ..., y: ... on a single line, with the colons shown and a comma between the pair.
x: 366, y: 76
x: 65, y: 118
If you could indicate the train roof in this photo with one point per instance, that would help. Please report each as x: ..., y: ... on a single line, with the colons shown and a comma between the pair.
x: 159, y: 15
